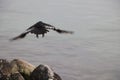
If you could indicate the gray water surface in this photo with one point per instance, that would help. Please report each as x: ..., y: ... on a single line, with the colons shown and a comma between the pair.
x: 92, y: 53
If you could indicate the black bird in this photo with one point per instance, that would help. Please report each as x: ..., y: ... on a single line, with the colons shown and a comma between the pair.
x: 40, y: 28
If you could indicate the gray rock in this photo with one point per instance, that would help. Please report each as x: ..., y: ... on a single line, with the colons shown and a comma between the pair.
x: 16, y: 76
x: 15, y: 70
x: 57, y: 77
x: 5, y: 69
x: 44, y: 72
x: 22, y: 67
x: 19, y: 69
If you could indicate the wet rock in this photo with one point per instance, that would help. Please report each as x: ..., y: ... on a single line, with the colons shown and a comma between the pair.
x: 57, y: 77
x: 44, y: 72
x: 16, y: 76
x: 5, y: 69
x: 19, y: 69
x: 23, y: 67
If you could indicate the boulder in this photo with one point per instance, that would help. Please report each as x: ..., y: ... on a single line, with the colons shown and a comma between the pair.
x: 16, y: 76
x: 23, y: 67
x: 19, y: 69
x: 57, y: 77
x: 5, y: 69
x: 44, y: 72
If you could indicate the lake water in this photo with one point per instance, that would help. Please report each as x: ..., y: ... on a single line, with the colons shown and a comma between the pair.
x: 91, y: 53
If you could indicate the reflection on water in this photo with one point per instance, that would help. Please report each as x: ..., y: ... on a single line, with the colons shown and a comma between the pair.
x: 92, y: 53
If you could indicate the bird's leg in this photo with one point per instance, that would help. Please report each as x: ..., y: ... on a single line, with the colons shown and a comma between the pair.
x: 43, y: 35
x: 37, y: 35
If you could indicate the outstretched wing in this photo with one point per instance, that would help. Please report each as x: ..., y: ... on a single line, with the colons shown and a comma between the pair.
x: 63, y: 31
x: 19, y: 36
x: 30, y: 28
x: 57, y: 30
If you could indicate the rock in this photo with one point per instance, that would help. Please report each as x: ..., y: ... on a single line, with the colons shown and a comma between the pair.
x: 16, y: 76
x: 19, y: 69
x: 44, y: 72
x: 5, y: 69
x: 57, y: 77
x: 23, y: 67
x: 6, y: 72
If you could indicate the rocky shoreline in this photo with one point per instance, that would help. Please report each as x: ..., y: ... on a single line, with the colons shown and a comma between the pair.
x: 18, y: 69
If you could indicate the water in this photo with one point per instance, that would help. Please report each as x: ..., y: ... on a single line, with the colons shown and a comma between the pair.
x: 92, y: 53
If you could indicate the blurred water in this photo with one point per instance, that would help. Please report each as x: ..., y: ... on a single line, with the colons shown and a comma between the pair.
x: 92, y: 53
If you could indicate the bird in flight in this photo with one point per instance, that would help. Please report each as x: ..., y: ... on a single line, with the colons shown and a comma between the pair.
x: 40, y: 28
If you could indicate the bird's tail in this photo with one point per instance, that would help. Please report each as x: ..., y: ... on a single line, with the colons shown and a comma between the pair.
x: 63, y: 31
x: 20, y: 36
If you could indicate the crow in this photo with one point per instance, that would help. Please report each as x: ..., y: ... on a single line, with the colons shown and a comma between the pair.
x: 40, y: 28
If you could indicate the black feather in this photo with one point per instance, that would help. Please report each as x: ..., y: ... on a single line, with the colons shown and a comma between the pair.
x: 20, y: 36
x: 63, y: 31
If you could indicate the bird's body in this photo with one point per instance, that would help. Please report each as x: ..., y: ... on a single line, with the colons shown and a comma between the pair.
x: 40, y: 28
